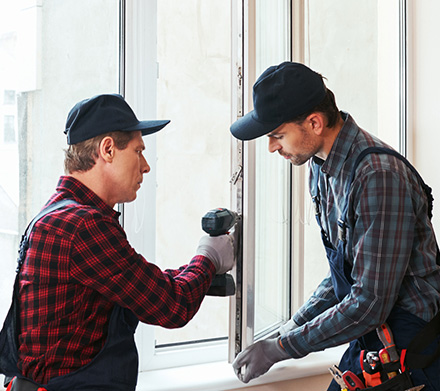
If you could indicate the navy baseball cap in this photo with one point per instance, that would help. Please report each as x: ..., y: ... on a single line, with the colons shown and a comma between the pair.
x: 280, y: 94
x: 102, y: 114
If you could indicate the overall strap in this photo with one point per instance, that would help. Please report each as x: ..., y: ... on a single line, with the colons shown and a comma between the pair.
x: 414, y: 357
x: 314, y: 191
x: 316, y: 198
x: 381, y: 150
x: 24, y: 243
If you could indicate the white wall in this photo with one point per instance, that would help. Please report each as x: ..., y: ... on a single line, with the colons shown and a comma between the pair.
x: 424, y: 100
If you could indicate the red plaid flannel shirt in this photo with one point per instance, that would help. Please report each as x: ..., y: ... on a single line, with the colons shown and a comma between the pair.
x: 78, y: 266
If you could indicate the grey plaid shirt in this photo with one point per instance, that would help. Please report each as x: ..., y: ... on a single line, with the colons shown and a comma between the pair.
x: 390, y: 246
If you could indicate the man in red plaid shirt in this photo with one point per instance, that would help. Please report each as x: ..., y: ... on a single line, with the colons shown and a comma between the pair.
x: 82, y: 287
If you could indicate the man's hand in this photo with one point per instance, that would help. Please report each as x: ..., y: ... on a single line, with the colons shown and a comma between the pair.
x: 219, y: 250
x: 258, y: 358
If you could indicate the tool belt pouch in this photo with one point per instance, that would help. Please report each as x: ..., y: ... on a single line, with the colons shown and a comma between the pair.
x: 400, y: 382
x: 390, y: 376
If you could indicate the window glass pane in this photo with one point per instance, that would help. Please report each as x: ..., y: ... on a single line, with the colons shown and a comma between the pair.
x: 9, y: 129
x: 193, y: 151
x: 362, y: 69
x: 9, y: 97
x: 51, y: 56
x: 272, y: 191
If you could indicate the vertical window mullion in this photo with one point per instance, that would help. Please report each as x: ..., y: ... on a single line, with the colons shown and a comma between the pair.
x: 138, y: 84
x: 259, y: 309
x: 403, y: 91
x: 298, y: 175
x: 243, y: 194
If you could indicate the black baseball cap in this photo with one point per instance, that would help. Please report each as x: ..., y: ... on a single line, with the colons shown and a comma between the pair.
x: 102, y: 114
x: 280, y: 94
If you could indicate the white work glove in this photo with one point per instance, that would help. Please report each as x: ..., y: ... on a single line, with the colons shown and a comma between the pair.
x: 258, y: 358
x: 287, y: 327
x: 219, y: 250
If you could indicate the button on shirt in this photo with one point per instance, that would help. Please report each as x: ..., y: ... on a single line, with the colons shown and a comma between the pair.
x: 390, y: 247
x: 78, y: 266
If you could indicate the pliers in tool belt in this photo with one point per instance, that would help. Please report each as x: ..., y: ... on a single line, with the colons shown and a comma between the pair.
x: 337, y: 375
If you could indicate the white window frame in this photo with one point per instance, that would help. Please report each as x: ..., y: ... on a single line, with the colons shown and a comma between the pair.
x: 242, y: 309
x: 140, y: 33
x: 139, y: 42
x: 138, y: 30
x: 244, y: 62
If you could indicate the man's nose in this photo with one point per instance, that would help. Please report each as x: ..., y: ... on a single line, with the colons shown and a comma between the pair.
x: 274, y: 145
x: 145, y: 167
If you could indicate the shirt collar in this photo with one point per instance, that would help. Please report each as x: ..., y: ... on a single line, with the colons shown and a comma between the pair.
x: 341, y: 147
x: 71, y: 187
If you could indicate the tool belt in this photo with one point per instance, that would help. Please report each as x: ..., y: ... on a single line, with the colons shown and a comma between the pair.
x: 388, y: 369
x: 401, y: 382
x: 19, y: 384
x: 377, y: 381
x: 378, y: 375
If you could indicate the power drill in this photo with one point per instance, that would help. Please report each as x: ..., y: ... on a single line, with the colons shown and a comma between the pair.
x: 218, y: 222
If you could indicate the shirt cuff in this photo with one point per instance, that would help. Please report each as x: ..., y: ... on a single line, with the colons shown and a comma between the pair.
x: 295, y: 345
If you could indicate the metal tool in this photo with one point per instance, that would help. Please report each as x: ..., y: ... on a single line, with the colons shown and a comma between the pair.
x: 373, y: 361
x: 417, y: 388
x: 337, y: 375
x: 371, y: 374
x: 218, y: 222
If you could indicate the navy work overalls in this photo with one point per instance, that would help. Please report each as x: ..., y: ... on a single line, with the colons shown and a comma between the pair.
x: 114, y: 368
x: 403, y: 324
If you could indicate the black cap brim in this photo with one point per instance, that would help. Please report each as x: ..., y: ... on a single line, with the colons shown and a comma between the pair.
x: 148, y: 127
x: 249, y: 127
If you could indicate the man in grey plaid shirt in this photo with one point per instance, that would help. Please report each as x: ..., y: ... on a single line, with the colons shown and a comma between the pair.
x: 385, y: 268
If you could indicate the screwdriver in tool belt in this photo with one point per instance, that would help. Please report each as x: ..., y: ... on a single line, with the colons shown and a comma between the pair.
x: 385, y: 359
x: 386, y: 337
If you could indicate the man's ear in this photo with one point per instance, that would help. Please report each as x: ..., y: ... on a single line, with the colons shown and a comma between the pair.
x: 317, y: 122
x: 107, y: 149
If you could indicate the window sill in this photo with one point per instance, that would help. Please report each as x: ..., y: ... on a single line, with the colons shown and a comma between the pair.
x: 220, y: 375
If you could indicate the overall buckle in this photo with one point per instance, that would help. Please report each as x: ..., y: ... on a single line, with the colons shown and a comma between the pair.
x: 342, y: 230
x: 316, y: 203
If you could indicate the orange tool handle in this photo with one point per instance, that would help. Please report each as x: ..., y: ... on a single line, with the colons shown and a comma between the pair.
x: 385, y: 359
x: 386, y: 337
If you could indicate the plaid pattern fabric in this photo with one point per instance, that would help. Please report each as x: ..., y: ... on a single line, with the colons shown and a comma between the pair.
x: 78, y: 266
x: 390, y: 246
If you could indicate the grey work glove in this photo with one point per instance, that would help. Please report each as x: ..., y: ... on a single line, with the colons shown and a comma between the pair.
x: 258, y: 358
x: 219, y: 250
x: 287, y: 327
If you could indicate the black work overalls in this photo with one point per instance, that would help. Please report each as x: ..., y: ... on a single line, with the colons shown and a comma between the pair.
x: 114, y: 368
x: 404, y: 325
